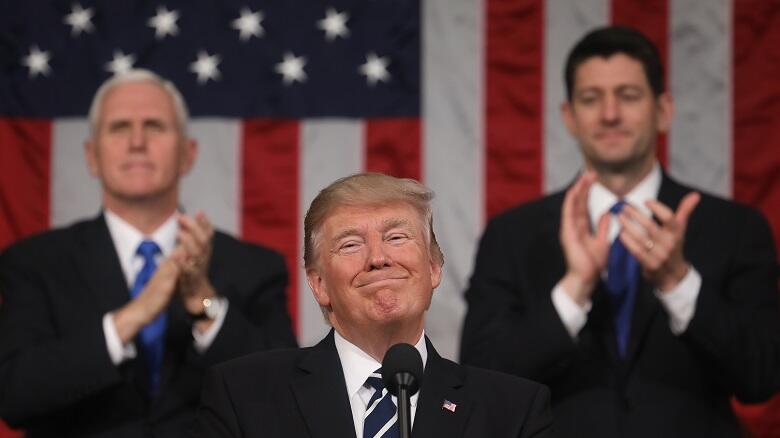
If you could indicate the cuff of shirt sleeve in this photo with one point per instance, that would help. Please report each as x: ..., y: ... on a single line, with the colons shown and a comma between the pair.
x: 680, y: 302
x: 116, y: 351
x: 202, y: 341
x: 572, y: 314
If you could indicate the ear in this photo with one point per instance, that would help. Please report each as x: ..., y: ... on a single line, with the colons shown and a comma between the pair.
x: 436, y: 270
x: 664, y: 112
x: 189, y: 155
x: 91, y: 155
x: 317, y: 285
x: 567, y: 114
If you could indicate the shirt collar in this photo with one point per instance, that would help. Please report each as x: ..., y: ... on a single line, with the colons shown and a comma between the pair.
x: 600, y: 199
x: 126, y: 239
x: 358, y: 365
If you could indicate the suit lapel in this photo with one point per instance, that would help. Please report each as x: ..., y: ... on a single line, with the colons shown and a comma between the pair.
x: 99, y: 265
x: 670, y: 194
x: 321, y: 393
x: 442, y: 382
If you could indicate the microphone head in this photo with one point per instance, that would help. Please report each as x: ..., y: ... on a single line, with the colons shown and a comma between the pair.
x: 403, y: 366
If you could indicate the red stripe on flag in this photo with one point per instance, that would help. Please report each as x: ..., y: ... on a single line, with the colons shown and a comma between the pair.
x: 393, y: 147
x: 756, y: 152
x: 25, y: 163
x: 650, y: 17
x: 269, y: 193
x: 513, y: 107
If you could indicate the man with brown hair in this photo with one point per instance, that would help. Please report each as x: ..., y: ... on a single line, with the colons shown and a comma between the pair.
x: 644, y: 305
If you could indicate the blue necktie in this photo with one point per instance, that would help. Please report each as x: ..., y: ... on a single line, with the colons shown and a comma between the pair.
x: 622, y: 278
x: 381, y: 419
x: 152, y: 337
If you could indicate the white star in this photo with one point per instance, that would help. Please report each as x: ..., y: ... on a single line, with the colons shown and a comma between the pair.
x: 37, y: 61
x: 248, y: 24
x: 121, y: 63
x: 206, y: 67
x: 80, y: 20
x: 164, y: 23
x: 375, y: 69
x: 291, y: 68
x: 334, y: 24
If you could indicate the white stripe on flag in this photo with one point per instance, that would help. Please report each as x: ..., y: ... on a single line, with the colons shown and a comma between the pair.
x: 75, y: 194
x: 452, y: 155
x: 330, y: 149
x: 214, y: 184
x: 700, y: 72
x: 565, y: 23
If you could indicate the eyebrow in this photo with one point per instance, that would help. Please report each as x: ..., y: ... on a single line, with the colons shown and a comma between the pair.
x: 387, y: 224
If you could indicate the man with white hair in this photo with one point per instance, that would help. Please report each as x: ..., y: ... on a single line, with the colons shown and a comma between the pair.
x: 108, y: 324
x: 372, y: 261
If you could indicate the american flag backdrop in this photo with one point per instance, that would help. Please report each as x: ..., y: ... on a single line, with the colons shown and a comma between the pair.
x: 288, y: 95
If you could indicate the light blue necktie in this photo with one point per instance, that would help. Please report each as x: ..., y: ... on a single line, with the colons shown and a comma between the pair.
x: 152, y: 337
x: 381, y: 411
x: 622, y: 282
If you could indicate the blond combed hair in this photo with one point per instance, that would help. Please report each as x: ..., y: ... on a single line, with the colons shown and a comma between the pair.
x: 369, y: 189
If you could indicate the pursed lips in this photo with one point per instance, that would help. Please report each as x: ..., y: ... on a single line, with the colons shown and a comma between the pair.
x: 373, y: 280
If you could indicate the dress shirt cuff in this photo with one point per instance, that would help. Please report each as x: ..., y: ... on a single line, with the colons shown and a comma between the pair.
x: 680, y: 302
x: 116, y: 351
x: 572, y: 314
x: 202, y: 341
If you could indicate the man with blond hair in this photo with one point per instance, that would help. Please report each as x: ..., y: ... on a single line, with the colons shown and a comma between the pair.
x: 108, y: 324
x: 372, y: 261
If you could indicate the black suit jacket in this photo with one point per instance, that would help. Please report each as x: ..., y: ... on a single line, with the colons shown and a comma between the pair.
x: 56, y: 378
x: 670, y: 386
x: 302, y: 393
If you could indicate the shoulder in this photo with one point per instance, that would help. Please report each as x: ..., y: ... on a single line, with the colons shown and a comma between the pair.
x: 540, y: 210
x: 50, y: 244
x: 497, y: 386
x: 265, y: 371
x: 239, y: 252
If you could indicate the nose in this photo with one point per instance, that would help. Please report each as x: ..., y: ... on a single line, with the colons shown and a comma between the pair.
x: 137, y: 137
x: 378, y: 256
x: 610, y: 110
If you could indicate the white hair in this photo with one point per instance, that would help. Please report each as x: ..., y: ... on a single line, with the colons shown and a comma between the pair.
x: 134, y: 76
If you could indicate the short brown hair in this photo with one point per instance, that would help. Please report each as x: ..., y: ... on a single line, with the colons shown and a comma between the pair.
x: 369, y: 189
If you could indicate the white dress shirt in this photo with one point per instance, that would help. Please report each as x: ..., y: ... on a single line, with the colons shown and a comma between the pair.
x: 358, y: 366
x: 680, y: 302
x: 126, y: 240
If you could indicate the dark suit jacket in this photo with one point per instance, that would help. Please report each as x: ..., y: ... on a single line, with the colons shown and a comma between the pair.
x: 56, y: 378
x: 302, y: 393
x: 670, y: 386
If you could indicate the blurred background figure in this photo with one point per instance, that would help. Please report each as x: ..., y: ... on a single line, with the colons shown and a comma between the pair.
x: 108, y: 324
x: 639, y: 297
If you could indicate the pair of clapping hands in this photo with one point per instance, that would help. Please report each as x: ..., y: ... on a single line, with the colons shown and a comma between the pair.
x: 657, y: 245
x: 184, y: 273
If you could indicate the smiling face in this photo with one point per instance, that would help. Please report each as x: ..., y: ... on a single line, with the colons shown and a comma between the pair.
x: 138, y: 150
x: 373, y: 268
x: 614, y: 114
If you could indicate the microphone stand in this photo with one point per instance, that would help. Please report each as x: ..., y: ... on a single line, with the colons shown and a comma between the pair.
x: 403, y: 381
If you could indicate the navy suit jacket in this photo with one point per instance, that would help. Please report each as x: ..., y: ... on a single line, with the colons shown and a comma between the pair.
x: 670, y: 386
x: 56, y: 378
x: 302, y: 393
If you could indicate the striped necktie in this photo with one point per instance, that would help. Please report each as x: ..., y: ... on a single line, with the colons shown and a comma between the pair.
x: 152, y: 336
x: 381, y: 420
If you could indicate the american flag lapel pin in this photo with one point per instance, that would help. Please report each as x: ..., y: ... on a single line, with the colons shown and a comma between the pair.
x: 448, y: 405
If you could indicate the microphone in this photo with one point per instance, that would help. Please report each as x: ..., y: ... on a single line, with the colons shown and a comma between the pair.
x: 402, y: 372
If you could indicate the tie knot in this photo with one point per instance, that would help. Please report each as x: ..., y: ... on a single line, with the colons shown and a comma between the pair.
x: 618, y: 207
x: 375, y: 380
x: 148, y: 249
